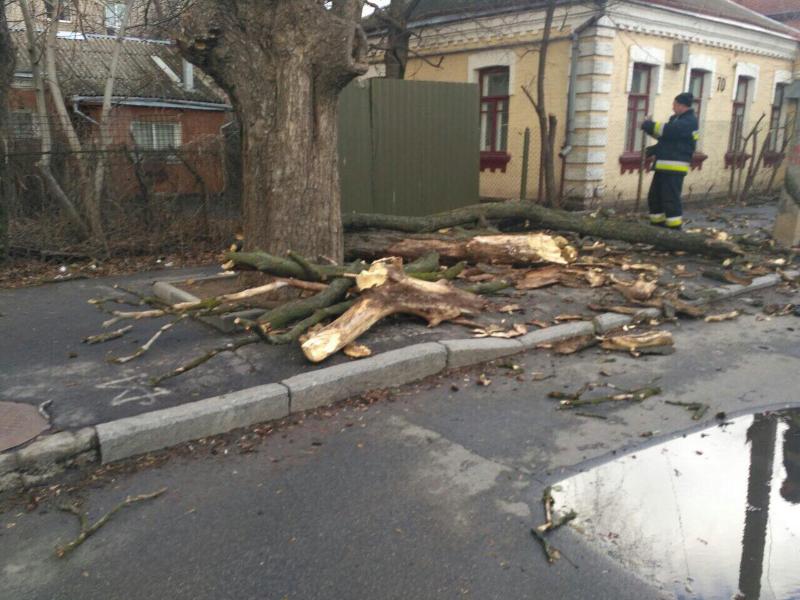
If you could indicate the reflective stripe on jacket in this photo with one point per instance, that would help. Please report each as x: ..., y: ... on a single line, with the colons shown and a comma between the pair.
x: 677, y: 142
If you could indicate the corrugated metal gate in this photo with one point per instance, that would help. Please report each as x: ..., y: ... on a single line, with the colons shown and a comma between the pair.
x: 408, y: 147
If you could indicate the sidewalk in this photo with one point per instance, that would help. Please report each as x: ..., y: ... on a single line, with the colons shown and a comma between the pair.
x: 42, y: 357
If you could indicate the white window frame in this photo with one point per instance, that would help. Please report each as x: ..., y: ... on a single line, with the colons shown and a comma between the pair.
x: 177, y: 134
x: 115, y: 11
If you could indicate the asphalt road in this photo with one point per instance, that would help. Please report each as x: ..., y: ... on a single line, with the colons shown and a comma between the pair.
x: 427, y: 493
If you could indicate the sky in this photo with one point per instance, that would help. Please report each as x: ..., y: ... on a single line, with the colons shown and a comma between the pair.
x: 368, y: 9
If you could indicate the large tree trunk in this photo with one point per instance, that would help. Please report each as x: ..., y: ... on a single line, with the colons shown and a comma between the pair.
x: 283, y: 64
x: 6, y: 77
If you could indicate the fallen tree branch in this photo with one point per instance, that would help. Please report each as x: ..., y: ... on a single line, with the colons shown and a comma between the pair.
x: 88, y: 530
x: 280, y: 317
x: 541, y: 217
x: 301, y: 327
x: 386, y: 290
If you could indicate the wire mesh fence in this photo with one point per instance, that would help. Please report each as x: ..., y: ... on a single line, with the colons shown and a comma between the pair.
x: 159, y: 182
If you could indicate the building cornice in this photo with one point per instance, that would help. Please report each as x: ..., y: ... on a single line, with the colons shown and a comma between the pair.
x: 684, y: 26
x: 633, y: 17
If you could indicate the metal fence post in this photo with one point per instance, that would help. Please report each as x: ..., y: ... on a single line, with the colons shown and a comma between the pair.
x: 526, y: 146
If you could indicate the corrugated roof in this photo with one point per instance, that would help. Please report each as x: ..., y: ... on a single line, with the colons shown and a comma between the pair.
x: 726, y: 9
x: 83, y: 66
x: 772, y: 7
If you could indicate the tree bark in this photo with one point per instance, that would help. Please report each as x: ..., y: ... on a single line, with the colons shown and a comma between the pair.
x: 7, y: 63
x: 547, y: 218
x: 283, y: 64
x: 546, y: 134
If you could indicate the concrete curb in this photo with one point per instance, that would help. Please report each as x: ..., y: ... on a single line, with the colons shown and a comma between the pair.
x: 124, y: 438
x: 163, y: 428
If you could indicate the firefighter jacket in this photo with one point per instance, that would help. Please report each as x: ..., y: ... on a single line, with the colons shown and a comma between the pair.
x: 677, y: 141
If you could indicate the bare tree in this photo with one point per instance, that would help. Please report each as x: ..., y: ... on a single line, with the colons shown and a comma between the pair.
x: 6, y: 77
x: 547, y: 123
x: 283, y: 64
x: 394, y: 19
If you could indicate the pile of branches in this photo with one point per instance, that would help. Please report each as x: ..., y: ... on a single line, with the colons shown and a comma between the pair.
x: 434, y: 276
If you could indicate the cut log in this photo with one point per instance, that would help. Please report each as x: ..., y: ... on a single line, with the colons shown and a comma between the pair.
x: 526, y: 249
x: 387, y: 290
x: 547, y: 218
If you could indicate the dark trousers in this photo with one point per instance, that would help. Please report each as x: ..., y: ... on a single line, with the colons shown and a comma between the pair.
x: 664, y: 198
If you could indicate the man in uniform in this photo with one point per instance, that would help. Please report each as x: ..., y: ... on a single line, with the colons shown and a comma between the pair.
x: 677, y: 141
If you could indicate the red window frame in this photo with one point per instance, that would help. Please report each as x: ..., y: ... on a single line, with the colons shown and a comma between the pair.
x: 494, y: 156
x: 635, y: 103
x: 695, y: 75
x: 493, y: 111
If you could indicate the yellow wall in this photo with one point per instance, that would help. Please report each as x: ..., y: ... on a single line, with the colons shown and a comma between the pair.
x: 454, y: 67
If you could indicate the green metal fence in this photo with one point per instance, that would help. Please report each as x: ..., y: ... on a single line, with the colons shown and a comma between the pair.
x: 408, y: 147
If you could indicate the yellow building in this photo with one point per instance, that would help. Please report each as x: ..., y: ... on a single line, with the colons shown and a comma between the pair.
x: 609, y: 65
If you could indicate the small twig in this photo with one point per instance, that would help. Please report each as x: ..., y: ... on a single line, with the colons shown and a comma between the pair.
x: 122, y: 360
x: 698, y: 409
x: 88, y: 530
x: 42, y: 408
x: 105, y: 337
x: 135, y: 315
x: 590, y: 415
x: 229, y: 347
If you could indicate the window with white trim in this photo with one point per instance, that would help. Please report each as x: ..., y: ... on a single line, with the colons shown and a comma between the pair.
x: 114, y: 13
x: 156, y: 136
x: 743, y: 86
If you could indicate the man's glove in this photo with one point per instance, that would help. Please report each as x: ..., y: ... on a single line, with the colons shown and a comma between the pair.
x: 648, y: 122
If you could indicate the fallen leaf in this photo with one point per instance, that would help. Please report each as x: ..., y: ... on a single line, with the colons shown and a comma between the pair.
x: 540, y: 278
x: 483, y: 380
x: 510, y: 308
x: 562, y: 318
x: 722, y: 317
x: 354, y: 350
x: 640, y: 267
x: 539, y: 323
x: 732, y: 277
x: 595, y: 277
x: 639, y: 291
x: 573, y: 345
